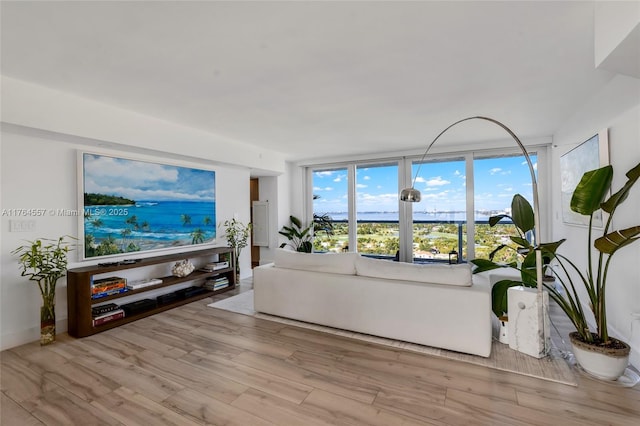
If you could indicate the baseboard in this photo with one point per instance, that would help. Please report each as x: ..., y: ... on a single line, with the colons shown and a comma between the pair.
x: 634, y: 341
x: 28, y: 335
x: 634, y: 359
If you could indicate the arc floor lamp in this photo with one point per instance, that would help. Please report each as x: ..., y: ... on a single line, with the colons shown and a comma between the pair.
x: 412, y: 195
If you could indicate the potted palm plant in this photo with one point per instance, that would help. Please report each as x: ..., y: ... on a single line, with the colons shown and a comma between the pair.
x: 45, y: 262
x: 237, y: 235
x: 595, y: 350
x: 300, y: 239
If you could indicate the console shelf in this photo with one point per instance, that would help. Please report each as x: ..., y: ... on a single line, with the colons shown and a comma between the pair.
x: 79, y: 281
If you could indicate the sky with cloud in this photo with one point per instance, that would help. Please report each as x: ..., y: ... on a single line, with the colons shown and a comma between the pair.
x: 146, y: 181
x: 442, y: 184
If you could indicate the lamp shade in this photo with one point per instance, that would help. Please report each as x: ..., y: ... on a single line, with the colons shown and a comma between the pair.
x: 410, y: 195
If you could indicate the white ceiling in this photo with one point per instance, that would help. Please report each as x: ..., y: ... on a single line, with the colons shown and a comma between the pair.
x: 316, y: 79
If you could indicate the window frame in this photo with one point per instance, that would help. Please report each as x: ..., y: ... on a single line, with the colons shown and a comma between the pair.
x: 405, y: 179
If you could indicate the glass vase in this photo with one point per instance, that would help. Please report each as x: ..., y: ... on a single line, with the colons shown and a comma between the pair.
x: 47, y: 324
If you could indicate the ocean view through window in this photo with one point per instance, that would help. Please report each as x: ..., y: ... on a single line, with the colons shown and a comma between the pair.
x: 438, y: 224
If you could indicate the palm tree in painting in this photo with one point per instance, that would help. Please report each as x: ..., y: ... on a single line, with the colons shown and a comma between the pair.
x: 89, y: 245
x: 107, y: 246
x: 207, y: 221
x: 186, y: 219
x: 97, y: 222
x: 125, y: 232
x: 133, y: 221
x: 133, y: 225
x: 197, y: 236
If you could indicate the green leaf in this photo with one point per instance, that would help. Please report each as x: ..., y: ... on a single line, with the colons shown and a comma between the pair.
x: 305, y: 247
x: 551, y: 248
x: 616, y: 199
x: 528, y: 270
x: 499, y: 303
x: 521, y: 242
x: 496, y: 250
x: 483, y: 265
x: 613, y: 241
x: 295, y: 221
x: 591, y: 190
x: 522, y: 213
x: 493, y: 220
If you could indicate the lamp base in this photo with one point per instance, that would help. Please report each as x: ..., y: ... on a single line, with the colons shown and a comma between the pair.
x: 528, y: 333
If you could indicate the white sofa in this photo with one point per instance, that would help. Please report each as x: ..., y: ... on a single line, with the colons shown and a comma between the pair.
x: 443, y: 306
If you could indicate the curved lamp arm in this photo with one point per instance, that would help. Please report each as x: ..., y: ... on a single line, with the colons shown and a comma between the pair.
x: 412, y: 195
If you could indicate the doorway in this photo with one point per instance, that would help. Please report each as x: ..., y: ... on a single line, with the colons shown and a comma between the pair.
x: 254, y: 194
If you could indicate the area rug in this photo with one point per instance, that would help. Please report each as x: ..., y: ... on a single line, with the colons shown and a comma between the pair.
x: 553, y: 367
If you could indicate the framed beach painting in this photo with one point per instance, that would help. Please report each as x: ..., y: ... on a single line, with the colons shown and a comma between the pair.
x: 589, y: 155
x: 132, y: 205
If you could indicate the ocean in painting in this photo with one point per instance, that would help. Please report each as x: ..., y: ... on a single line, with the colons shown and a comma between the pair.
x: 151, y: 224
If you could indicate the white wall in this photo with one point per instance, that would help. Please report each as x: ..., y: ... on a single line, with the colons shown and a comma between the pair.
x: 616, y: 107
x: 617, y: 36
x: 281, y: 191
x: 269, y: 192
x: 38, y: 107
x: 39, y: 171
x: 41, y: 130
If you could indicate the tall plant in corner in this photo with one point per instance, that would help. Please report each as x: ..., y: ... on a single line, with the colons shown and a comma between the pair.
x: 590, y: 196
x: 45, y: 262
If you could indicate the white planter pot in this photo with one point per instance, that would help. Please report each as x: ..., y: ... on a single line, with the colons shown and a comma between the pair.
x: 605, y: 364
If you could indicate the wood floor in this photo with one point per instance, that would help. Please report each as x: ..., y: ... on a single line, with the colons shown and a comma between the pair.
x: 197, y: 365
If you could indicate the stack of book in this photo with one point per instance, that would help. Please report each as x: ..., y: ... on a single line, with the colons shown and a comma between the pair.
x: 214, y: 266
x: 105, y: 313
x: 217, y: 283
x: 108, y: 286
x: 136, y: 284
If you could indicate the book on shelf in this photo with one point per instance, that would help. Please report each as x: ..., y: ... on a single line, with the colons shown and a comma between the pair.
x: 217, y: 280
x: 108, y: 284
x: 107, y: 288
x: 108, y: 317
x: 103, y: 309
x: 216, y: 284
x: 107, y: 281
x: 109, y: 293
x: 136, y: 284
x: 214, y: 266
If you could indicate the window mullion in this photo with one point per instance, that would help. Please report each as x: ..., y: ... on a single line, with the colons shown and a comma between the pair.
x: 471, y: 220
x: 351, y: 191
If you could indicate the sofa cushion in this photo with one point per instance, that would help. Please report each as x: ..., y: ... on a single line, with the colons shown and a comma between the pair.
x: 335, y: 263
x: 430, y: 273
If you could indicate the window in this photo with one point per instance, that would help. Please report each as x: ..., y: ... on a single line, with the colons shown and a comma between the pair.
x: 459, y: 194
x: 439, y: 218
x: 377, y: 216
x: 497, y: 180
x: 331, y: 201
